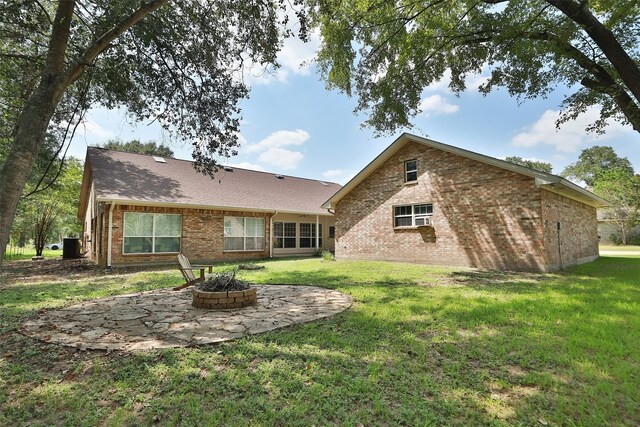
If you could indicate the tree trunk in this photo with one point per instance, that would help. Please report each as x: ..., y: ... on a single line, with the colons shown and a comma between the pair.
x: 24, y: 151
x: 34, y: 121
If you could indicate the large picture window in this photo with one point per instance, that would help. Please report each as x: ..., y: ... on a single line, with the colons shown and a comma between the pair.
x: 308, y: 235
x: 243, y: 233
x: 146, y: 233
x: 406, y: 216
x: 284, y: 234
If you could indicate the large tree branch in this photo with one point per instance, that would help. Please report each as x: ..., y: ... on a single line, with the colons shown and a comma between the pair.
x: 14, y: 55
x: 602, y: 81
x: 103, y: 42
x: 626, y: 67
x: 59, y: 39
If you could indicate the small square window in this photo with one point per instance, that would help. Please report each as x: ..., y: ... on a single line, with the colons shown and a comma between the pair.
x: 410, y: 171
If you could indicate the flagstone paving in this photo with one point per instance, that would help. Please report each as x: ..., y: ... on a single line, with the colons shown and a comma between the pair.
x: 165, y: 318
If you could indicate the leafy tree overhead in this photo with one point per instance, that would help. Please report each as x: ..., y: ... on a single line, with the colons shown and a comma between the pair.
x: 135, y: 146
x: 621, y: 188
x: 594, y: 161
x: 386, y: 52
x: 179, y: 61
x: 532, y: 164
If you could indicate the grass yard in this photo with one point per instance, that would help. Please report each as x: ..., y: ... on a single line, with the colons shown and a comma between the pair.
x: 622, y: 248
x: 421, y: 346
x: 14, y: 253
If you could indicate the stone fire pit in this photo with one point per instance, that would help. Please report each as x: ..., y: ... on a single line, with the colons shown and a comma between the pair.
x: 224, y: 291
x: 165, y: 318
x: 224, y: 300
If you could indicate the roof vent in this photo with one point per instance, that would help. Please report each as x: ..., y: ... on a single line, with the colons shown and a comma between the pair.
x: 228, y: 169
x: 323, y: 183
x: 159, y: 159
x: 280, y: 176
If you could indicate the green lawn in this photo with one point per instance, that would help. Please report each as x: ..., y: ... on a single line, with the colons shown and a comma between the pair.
x: 421, y: 346
x: 619, y: 248
x: 13, y: 254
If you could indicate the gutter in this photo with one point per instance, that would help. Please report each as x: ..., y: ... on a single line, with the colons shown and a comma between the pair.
x: 569, y: 189
x: 210, y: 207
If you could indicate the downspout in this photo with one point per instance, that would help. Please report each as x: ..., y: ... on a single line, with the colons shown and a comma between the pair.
x: 113, y: 205
x: 317, y: 232
x: 271, y: 234
x: 559, y: 247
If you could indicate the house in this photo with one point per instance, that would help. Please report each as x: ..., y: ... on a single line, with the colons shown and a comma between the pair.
x: 140, y: 209
x: 424, y: 201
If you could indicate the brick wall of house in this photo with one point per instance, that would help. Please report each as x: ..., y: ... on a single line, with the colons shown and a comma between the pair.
x: 484, y: 216
x: 578, y: 235
x: 202, y: 236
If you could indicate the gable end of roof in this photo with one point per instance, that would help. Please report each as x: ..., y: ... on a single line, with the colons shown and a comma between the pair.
x: 545, y: 180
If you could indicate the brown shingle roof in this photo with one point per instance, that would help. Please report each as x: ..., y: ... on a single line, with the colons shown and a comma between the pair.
x: 139, y: 178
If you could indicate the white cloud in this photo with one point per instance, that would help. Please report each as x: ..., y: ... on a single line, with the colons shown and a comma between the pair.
x: 281, y: 157
x: 271, y: 149
x: 281, y: 138
x: 248, y: 165
x: 295, y: 58
x: 570, y: 137
x: 436, y: 104
x: 472, y: 82
x: 90, y: 129
x: 476, y: 80
x: 441, y: 85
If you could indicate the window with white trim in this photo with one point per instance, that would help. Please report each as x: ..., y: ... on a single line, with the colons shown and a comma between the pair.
x: 411, y: 215
x: 308, y: 235
x: 243, y: 233
x: 284, y: 234
x: 410, y: 171
x: 147, y: 233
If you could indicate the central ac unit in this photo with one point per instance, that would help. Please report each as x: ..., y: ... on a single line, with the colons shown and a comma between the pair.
x: 424, y: 221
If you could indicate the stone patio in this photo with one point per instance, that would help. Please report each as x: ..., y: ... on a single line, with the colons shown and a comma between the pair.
x: 165, y: 318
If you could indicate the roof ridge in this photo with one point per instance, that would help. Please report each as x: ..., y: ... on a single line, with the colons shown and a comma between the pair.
x: 97, y: 147
x: 220, y: 165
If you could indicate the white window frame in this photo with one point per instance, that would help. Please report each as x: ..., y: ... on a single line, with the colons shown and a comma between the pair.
x: 244, y: 234
x: 312, y: 236
x: 413, y: 214
x: 285, y: 236
x: 153, y: 234
x: 407, y: 172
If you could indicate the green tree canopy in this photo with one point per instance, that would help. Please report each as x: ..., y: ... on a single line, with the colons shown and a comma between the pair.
x: 621, y: 188
x: 136, y: 146
x: 59, y: 197
x: 532, y: 164
x: 179, y: 61
x: 386, y: 52
x: 595, y: 160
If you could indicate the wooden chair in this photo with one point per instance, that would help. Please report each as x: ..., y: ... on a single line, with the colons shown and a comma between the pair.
x: 187, y: 272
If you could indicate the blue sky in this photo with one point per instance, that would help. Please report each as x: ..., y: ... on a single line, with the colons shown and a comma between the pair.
x: 292, y: 125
